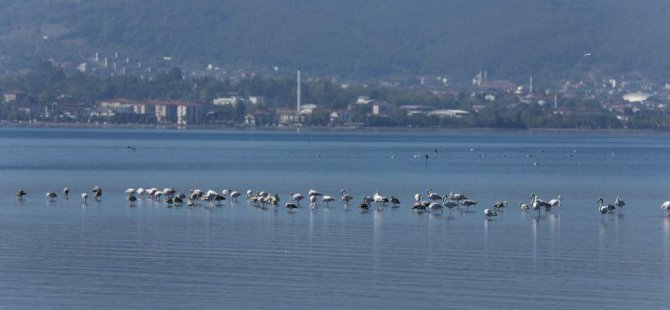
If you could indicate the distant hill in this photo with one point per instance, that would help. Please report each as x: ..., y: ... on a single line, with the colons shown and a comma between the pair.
x: 352, y: 38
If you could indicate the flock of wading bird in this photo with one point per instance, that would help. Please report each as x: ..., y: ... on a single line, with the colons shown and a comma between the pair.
x: 434, y: 202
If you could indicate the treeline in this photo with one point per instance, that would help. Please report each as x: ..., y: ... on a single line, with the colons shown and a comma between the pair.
x: 48, y: 84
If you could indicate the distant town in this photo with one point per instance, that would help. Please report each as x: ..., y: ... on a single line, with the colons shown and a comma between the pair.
x: 114, y: 91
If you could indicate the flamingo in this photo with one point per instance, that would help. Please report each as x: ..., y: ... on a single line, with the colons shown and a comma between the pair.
x: 157, y: 195
x: 619, y: 202
x: 435, y: 207
x: 395, y: 202
x: 140, y: 191
x: 604, y: 208
x: 364, y: 206
x: 169, y: 192
x: 537, y: 203
x: 234, y: 195
x: 498, y: 206
x: 327, y: 199
x: 194, y: 195
x: 66, y: 193
x: 130, y: 192
x: 297, y: 197
x: 489, y: 213
x: 313, y: 192
x: 379, y: 199
x: 274, y: 199
x: 52, y: 196
x: 432, y: 195
x: 84, y: 198
x: 312, y: 201
x: 666, y: 207
x: 458, y: 197
x: 346, y: 197
x: 468, y: 203
x: 555, y: 202
x: 132, y: 199
x: 523, y: 206
x: 291, y: 206
x: 420, y: 205
x: 20, y: 193
x: 219, y: 198
x: 97, y: 192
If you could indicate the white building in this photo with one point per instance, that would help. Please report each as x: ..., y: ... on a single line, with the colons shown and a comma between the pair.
x: 448, y: 113
x: 256, y: 100
x: 230, y: 100
x: 363, y: 100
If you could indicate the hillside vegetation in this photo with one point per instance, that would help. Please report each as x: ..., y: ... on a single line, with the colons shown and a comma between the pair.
x: 352, y: 38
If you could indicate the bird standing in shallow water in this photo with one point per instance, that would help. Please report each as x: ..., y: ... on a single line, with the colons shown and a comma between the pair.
x: 523, y: 206
x: 619, y: 203
x: 604, y: 208
x: 346, y: 198
x: 20, y: 193
x: 97, y: 192
x: 291, y: 206
x: 666, y: 207
x: 66, y: 193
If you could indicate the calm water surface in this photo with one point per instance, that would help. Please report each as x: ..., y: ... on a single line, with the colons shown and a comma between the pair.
x: 64, y: 255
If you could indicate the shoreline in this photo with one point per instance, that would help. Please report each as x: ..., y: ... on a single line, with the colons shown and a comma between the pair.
x: 5, y: 125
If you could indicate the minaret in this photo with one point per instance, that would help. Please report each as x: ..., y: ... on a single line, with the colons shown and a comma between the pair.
x: 531, y: 85
x: 555, y: 100
x: 298, y: 92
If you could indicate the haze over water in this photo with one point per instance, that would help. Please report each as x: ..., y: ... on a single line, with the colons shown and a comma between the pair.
x: 64, y: 255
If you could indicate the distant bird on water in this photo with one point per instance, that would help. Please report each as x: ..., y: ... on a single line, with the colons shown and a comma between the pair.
x: 20, y: 193
x: 52, y: 196
x: 523, y: 206
x: 84, y: 198
x: 97, y: 191
x: 66, y: 193
x: 666, y: 207
x: 291, y: 206
x: 619, y: 202
x: 604, y: 208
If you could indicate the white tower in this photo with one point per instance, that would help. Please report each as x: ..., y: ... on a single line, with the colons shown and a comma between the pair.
x: 555, y: 100
x: 531, y: 84
x: 298, y: 92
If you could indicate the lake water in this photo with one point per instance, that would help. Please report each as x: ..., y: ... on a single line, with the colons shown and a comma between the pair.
x: 66, y: 255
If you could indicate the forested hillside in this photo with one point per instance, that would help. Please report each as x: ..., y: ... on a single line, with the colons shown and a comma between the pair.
x: 351, y: 38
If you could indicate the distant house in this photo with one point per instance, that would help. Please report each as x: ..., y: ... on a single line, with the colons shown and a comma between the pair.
x: 256, y: 100
x: 109, y: 108
x: 12, y: 96
x: 380, y: 107
x: 307, y: 108
x: 416, y: 109
x: 289, y: 117
x: 448, y: 113
x: 166, y: 111
x: 249, y: 120
x: 171, y: 111
x: 363, y: 100
x: 230, y: 100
